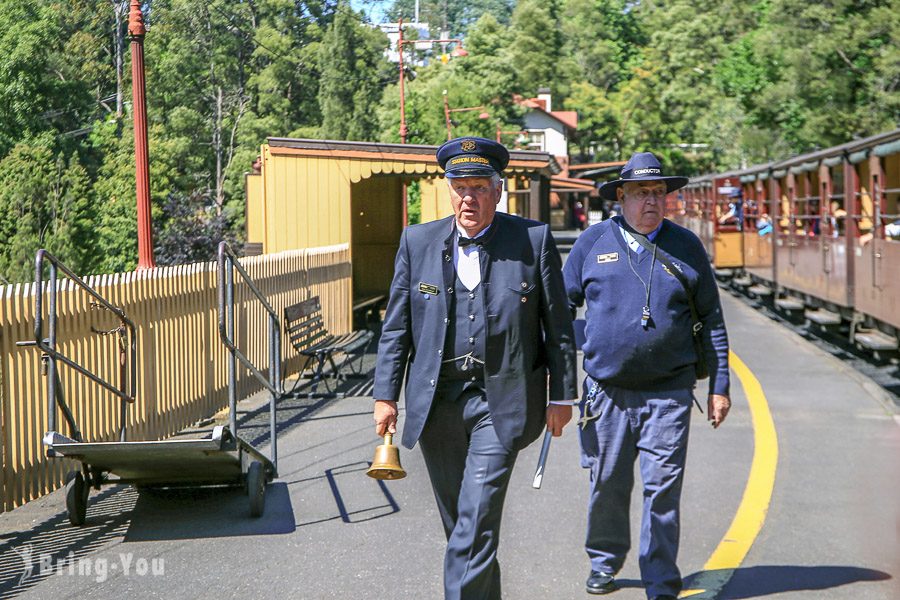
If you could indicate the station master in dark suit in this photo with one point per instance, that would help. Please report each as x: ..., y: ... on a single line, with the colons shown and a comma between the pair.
x: 477, y: 320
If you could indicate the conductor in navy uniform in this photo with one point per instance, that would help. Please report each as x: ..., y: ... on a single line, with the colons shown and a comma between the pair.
x: 478, y: 321
x: 643, y: 279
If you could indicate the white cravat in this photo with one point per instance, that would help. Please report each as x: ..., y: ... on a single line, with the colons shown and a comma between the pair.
x: 467, y: 260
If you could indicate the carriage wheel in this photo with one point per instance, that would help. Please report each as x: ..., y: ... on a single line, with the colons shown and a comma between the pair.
x: 76, y: 498
x: 256, y: 488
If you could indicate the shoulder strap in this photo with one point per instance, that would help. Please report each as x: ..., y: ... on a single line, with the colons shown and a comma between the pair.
x: 696, y: 324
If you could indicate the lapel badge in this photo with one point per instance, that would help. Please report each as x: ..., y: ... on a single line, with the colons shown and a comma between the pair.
x: 427, y: 288
x: 608, y: 257
x: 676, y: 265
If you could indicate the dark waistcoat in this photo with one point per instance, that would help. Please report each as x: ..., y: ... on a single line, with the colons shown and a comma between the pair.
x: 465, y: 335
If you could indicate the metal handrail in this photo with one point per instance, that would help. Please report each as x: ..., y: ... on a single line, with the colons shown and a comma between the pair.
x: 51, y: 355
x: 227, y: 264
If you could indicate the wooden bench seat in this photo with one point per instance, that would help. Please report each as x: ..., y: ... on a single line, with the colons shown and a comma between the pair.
x: 308, y: 335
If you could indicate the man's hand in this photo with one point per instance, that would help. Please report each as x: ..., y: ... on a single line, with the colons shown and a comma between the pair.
x: 717, y: 408
x: 385, y: 417
x: 557, y: 417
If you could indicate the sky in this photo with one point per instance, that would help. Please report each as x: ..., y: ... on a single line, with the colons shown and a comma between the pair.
x: 373, y: 8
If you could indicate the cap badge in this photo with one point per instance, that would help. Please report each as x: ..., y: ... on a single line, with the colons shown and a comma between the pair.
x: 467, y: 145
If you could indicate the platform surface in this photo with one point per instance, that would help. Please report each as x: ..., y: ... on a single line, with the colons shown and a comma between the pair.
x: 830, y: 529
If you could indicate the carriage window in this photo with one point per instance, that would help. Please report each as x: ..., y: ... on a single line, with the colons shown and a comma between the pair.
x: 837, y: 213
x: 729, y: 206
x: 806, y: 206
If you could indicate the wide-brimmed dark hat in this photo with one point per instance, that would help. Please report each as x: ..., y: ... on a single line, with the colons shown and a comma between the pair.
x: 472, y: 157
x: 642, y: 166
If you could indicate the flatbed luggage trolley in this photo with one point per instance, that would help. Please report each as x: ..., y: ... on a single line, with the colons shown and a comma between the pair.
x: 220, y: 458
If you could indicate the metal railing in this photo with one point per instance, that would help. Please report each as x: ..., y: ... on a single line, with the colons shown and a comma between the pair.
x: 228, y: 264
x: 50, y: 355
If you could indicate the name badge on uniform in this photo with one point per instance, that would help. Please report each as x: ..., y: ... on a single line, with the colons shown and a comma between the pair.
x: 427, y: 288
x: 608, y: 257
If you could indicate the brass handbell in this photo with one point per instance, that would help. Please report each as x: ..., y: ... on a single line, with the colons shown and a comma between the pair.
x: 386, y: 464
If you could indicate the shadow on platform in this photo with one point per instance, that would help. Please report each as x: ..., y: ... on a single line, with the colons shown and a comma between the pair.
x: 765, y: 580
x: 49, y: 547
x: 195, y: 513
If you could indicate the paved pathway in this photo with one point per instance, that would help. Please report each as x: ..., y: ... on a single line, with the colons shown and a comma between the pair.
x: 831, y: 529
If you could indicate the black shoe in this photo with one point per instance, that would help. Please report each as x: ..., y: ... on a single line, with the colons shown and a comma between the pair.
x: 600, y: 583
x: 665, y: 597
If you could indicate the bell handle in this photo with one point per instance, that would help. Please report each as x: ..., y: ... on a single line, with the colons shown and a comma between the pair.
x: 388, y: 439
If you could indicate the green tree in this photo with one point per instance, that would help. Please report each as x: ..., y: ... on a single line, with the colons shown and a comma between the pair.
x: 453, y: 16
x: 603, y: 40
x: 485, y: 78
x: 817, y: 74
x: 352, y: 73
x: 536, y: 48
x: 44, y: 203
x: 116, y: 235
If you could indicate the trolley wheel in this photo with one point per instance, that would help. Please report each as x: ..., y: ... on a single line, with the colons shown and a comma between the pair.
x: 256, y: 488
x: 76, y: 498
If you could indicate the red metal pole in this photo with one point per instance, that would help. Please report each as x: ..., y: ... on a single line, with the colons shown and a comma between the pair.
x: 447, y: 117
x: 141, y: 152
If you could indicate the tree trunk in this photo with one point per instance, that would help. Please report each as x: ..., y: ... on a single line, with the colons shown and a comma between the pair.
x: 119, y: 40
x: 217, y: 148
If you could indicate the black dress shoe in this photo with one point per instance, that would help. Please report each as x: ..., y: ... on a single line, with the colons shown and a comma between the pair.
x: 600, y: 583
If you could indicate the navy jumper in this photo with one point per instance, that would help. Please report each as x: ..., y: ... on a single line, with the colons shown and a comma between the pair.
x: 618, y: 351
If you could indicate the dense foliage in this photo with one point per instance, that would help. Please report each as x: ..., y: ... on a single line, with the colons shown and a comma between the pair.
x: 704, y: 83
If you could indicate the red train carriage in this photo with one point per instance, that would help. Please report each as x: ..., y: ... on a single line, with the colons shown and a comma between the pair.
x: 715, y: 214
x: 819, y: 231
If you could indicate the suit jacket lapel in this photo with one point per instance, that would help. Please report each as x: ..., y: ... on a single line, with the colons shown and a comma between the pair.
x: 488, y: 249
x: 447, y: 267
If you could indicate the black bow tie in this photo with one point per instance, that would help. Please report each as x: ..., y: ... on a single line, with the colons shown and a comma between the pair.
x: 464, y: 241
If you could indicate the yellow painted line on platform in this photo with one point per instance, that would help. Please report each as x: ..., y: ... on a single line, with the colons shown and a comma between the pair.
x: 751, y: 514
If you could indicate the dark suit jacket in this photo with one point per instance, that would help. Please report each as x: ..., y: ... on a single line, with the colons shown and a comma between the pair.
x: 529, y: 325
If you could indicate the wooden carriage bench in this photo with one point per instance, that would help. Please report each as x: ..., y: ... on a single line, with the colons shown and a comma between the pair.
x: 308, y: 335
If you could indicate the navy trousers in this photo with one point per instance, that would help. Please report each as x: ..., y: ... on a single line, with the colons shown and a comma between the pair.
x: 621, y: 426
x: 469, y: 470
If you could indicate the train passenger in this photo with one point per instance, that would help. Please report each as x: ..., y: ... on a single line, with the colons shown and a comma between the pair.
x: 735, y: 214
x: 836, y: 216
x: 641, y: 363
x: 891, y: 232
x: 476, y: 355
x: 764, y: 225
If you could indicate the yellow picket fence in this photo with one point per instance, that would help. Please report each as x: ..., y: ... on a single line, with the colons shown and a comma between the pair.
x: 182, y: 365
